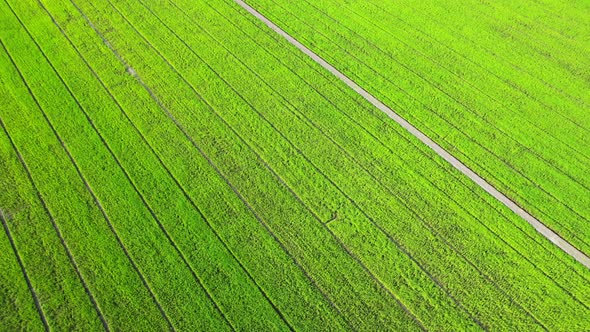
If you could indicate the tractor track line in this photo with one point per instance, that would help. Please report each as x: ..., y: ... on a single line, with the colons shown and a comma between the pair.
x: 349, y: 157
x: 311, y: 123
x: 539, y: 226
x: 22, y: 267
x: 436, y: 233
x: 466, y: 83
x: 3, y: 219
x: 489, y: 52
x: 391, y: 151
x: 140, y: 194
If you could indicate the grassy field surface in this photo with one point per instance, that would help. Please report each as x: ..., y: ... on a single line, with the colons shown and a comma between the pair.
x: 176, y: 165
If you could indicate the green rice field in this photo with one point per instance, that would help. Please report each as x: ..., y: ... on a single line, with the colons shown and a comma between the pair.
x: 179, y: 165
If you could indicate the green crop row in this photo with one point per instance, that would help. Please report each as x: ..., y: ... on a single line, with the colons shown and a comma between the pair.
x: 260, y: 134
x: 488, y: 41
x: 515, y: 233
x: 45, y: 268
x: 199, y: 172
x: 554, y: 17
x: 475, y: 94
x: 99, y: 256
x: 376, y: 121
x: 275, y: 84
x: 38, y: 241
x: 530, y: 35
x: 154, y: 256
x: 507, y: 88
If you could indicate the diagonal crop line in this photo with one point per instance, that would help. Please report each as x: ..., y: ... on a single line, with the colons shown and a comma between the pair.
x: 279, y: 177
x: 512, y: 168
x: 434, y: 61
x: 133, y: 184
x: 23, y: 270
x: 320, y: 172
x: 206, y: 157
x: 487, y: 69
x: 273, y: 172
x: 422, y: 152
x: 87, y: 185
x: 360, y: 164
x: 59, y: 233
x: 538, y: 225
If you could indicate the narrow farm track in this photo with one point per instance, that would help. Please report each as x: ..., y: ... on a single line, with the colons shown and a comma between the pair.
x: 259, y: 158
x: 540, y: 227
x: 460, y: 129
x: 233, y: 165
x: 294, y: 194
x: 525, y: 200
x: 385, y: 145
x: 576, y: 214
x: 524, y: 257
x: 440, y: 65
x: 356, y: 206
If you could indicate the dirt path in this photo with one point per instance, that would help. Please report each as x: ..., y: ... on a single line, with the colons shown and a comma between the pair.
x: 539, y: 226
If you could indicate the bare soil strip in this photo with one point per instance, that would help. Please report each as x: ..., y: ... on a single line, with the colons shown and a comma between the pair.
x: 539, y: 226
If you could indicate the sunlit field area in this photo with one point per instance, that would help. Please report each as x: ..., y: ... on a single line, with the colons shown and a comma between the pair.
x: 213, y: 165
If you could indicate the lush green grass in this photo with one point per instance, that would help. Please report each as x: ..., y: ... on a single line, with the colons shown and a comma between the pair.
x: 188, y: 168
